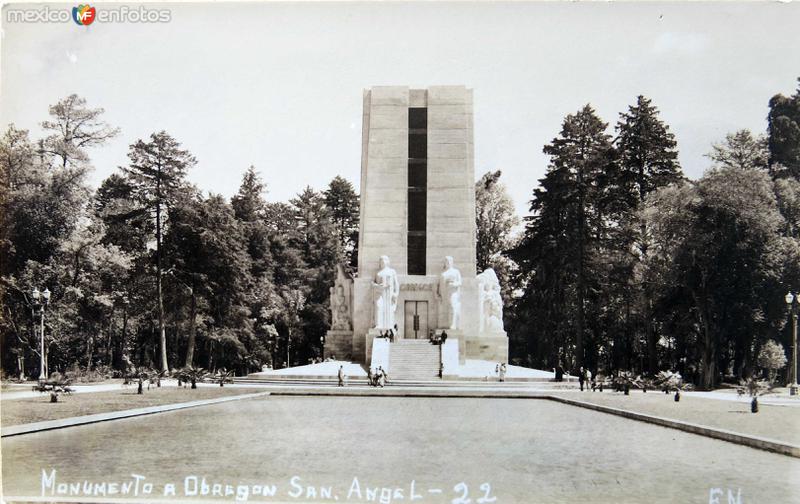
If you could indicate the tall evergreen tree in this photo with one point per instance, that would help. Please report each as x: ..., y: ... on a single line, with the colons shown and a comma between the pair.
x: 157, y: 171
x: 647, y: 160
x: 560, y: 243
x: 342, y: 203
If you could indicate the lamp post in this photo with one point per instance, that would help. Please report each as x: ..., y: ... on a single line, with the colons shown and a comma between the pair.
x: 40, y: 301
x: 322, y: 346
x: 791, y: 302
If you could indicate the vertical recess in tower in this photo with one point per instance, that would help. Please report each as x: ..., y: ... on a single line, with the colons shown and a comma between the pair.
x: 417, y: 188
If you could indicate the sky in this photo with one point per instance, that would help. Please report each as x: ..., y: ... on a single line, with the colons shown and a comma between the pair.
x: 279, y: 85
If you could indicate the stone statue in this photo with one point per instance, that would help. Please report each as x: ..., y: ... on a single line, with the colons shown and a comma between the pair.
x: 340, y: 316
x: 449, y: 292
x: 490, y: 302
x: 386, y: 289
x: 340, y: 301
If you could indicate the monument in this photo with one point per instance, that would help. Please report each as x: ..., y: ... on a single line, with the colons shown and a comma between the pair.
x: 416, y: 252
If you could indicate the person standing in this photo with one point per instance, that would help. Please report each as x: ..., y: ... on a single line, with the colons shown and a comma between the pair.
x: 370, y: 377
x: 503, y: 369
x: 588, y: 379
x: 581, y: 377
x: 382, y: 376
x: 341, y: 376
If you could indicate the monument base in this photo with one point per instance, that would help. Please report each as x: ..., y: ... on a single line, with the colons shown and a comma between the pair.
x: 339, y: 344
x: 491, y: 347
x: 372, y: 335
x: 456, y: 335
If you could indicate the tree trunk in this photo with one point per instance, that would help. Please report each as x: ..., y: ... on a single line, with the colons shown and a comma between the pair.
x: 161, y: 328
x: 89, y: 352
x: 192, y: 329
x: 581, y: 280
x: 708, y: 361
x: 109, y: 351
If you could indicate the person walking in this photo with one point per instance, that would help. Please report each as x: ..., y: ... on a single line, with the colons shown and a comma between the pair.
x: 581, y: 377
x: 341, y: 376
x: 503, y: 370
x: 588, y: 378
x: 370, y: 377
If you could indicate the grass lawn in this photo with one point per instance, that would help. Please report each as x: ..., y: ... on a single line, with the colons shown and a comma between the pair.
x: 775, y: 422
x: 37, y: 409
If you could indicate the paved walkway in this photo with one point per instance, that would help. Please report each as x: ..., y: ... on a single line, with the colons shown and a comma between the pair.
x: 15, y: 430
x: 520, y: 451
x: 772, y: 399
x: 23, y: 391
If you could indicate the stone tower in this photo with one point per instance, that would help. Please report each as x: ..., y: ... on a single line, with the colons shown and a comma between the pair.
x: 417, y: 207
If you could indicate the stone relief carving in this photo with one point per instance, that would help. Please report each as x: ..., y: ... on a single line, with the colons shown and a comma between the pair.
x: 449, y: 292
x: 341, y: 301
x: 490, y: 302
x: 386, y: 288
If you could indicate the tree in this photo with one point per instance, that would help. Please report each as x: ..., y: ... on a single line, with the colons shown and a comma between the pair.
x: 248, y: 203
x: 772, y: 357
x: 741, y: 150
x: 75, y: 128
x: 647, y: 160
x: 718, y: 247
x: 561, y: 240
x: 157, y: 171
x: 341, y: 201
x: 784, y: 134
x: 494, y: 219
x: 127, y: 224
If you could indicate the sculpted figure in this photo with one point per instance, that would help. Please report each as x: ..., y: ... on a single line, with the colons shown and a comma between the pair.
x: 340, y: 301
x: 449, y: 292
x: 340, y: 311
x: 490, y: 302
x: 386, y: 289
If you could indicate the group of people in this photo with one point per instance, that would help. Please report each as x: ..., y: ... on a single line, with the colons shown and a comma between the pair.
x: 388, y: 334
x: 500, y: 370
x: 437, y: 339
x: 377, y: 378
x: 585, y: 378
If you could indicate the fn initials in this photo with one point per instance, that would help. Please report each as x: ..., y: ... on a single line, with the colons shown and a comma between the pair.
x: 715, y: 494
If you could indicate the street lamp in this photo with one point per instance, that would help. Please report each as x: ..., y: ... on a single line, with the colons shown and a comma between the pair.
x: 40, y: 301
x: 791, y: 302
x: 322, y: 346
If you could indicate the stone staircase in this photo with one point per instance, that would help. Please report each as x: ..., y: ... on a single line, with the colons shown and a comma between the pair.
x: 413, y: 360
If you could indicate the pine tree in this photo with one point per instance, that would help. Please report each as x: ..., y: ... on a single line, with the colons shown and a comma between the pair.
x: 248, y: 203
x: 647, y: 160
x: 342, y: 203
x: 560, y: 243
x: 157, y: 171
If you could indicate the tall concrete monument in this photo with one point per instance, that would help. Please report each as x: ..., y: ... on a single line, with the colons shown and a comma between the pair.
x: 416, y: 250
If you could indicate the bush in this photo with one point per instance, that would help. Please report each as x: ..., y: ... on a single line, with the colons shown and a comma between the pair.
x: 77, y: 374
x: 772, y: 358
